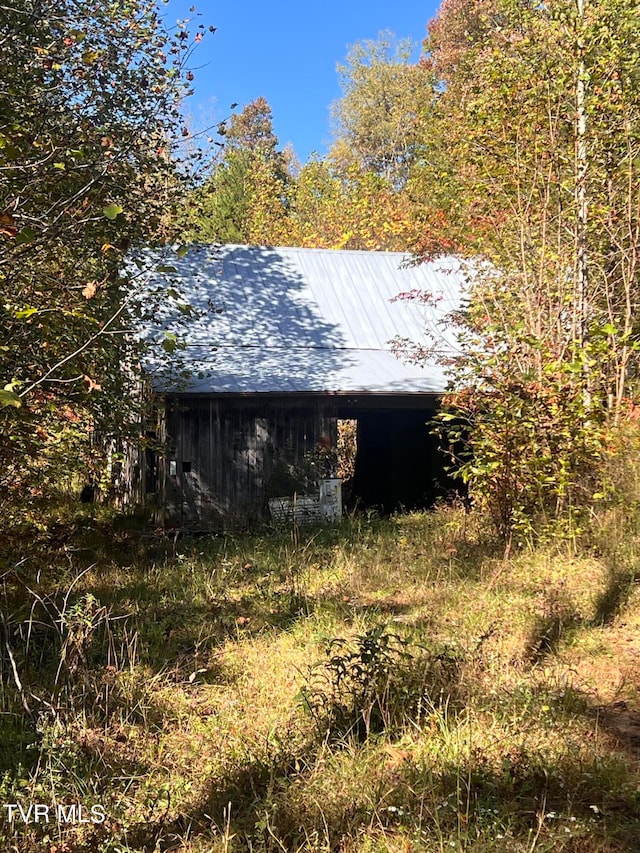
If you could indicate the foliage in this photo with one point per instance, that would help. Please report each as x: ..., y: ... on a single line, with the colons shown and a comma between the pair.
x: 537, y: 103
x: 245, y: 199
x: 336, y: 208
x: 89, y: 113
x: 368, y: 193
x: 530, y: 457
x: 382, y: 118
x: 346, y: 447
x: 377, y: 682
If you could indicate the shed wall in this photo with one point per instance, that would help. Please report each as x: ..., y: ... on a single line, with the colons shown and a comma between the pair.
x: 227, y: 458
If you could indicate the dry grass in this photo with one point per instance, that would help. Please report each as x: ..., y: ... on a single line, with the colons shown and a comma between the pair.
x: 183, y: 712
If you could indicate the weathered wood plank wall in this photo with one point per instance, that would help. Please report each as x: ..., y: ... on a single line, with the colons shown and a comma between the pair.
x: 226, y: 458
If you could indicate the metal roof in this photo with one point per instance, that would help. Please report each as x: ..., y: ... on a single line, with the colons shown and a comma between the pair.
x: 280, y: 320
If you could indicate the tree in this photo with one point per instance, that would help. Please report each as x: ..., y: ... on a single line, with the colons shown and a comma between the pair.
x: 384, y: 185
x: 89, y: 111
x: 245, y: 201
x: 347, y: 210
x: 252, y: 130
x: 540, y: 104
x: 380, y: 120
x: 388, y: 137
x: 367, y: 194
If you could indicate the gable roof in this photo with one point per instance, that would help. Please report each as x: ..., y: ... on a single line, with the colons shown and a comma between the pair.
x: 288, y: 320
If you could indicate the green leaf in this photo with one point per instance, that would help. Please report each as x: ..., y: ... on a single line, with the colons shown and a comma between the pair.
x: 9, y: 398
x: 170, y: 342
x: 25, y: 313
x: 111, y: 211
x: 182, y: 251
x: 27, y: 235
x: 9, y: 150
x: 166, y: 268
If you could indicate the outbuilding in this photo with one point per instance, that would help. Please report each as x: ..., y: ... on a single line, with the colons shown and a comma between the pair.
x: 284, y: 344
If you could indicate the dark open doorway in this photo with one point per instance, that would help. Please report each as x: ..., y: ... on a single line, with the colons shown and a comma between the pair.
x: 398, y: 464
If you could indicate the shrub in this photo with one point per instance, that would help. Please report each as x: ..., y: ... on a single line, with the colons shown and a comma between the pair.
x: 377, y: 682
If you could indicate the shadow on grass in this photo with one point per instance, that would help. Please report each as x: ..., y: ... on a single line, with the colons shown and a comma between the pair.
x: 277, y: 804
x: 313, y: 792
x: 169, y: 617
x: 547, y: 633
x: 616, y: 595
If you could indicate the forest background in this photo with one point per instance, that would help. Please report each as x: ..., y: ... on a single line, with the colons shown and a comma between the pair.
x: 513, y: 142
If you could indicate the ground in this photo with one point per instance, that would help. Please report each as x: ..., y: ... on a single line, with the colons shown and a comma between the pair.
x: 377, y: 685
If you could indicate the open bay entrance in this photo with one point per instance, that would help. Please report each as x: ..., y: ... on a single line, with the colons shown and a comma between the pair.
x: 398, y: 464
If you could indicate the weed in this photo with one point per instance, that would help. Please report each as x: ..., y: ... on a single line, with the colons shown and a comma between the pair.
x: 377, y: 682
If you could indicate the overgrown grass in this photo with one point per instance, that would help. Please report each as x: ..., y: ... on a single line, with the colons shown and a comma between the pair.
x: 379, y: 685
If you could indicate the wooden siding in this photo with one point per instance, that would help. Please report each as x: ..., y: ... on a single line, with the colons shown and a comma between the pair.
x: 226, y: 458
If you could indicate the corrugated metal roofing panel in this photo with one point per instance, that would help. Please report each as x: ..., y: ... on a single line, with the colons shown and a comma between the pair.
x: 296, y: 320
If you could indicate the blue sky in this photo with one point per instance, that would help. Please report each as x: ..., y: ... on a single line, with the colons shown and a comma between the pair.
x: 286, y: 51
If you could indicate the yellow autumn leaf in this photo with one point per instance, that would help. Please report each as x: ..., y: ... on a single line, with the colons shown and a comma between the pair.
x: 89, y: 291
